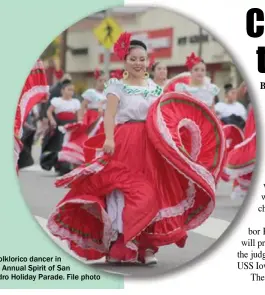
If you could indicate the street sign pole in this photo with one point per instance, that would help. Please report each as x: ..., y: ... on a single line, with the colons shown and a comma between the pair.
x: 107, y: 52
x: 107, y: 33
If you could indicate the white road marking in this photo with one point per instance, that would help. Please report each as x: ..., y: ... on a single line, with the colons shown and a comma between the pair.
x: 212, y: 228
x: 117, y: 273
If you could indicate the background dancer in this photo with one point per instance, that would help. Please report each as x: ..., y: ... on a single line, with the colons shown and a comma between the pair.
x: 241, y: 160
x: 94, y: 100
x: 195, y: 82
x: 159, y: 73
x: 231, y: 111
x: 63, y: 110
x: 29, y: 131
x: 35, y: 91
x: 77, y: 133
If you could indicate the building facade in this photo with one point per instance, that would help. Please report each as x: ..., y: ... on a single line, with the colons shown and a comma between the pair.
x: 170, y: 36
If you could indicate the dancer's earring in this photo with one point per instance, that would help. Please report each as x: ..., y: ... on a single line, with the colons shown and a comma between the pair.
x: 125, y: 75
x: 146, y: 75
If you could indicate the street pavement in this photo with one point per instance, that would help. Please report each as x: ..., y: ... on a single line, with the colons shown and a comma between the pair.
x: 40, y: 194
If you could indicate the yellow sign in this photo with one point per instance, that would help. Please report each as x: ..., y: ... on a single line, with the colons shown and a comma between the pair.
x: 108, y: 32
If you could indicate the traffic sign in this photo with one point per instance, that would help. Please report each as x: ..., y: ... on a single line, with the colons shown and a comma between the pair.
x: 108, y: 32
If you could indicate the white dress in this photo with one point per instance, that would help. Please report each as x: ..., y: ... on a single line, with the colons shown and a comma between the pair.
x: 94, y: 98
x: 227, y: 109
x: 65, y: 106
x: 134, y: 103
x: 204, y: 93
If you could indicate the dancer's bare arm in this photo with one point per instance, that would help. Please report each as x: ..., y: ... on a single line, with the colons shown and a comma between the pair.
x: 109, y: 123
x: 50, y: 116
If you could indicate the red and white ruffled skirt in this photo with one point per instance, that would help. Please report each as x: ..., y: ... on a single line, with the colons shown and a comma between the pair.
x: 159, y: 183
x: 35, y: 90
x: 241, y: 160
x: 18, y: 146
x: 233, y: 136
x: 76, y: 135
x: 240, y: 166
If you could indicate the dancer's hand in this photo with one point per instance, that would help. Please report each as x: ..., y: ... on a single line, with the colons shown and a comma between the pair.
x: 109, y: 146
x: 100, y: 111
x: 53, y: 124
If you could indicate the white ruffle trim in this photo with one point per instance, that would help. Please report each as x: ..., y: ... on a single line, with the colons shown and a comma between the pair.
x: 85, y: 243
x: 238, y: 193
x: 195, y: 135
x: 96, y: 128
x: 109, y: 232
x: 237, y: 172
x: 200, y: 170
x: 27, y: 96
x: 71, y: 157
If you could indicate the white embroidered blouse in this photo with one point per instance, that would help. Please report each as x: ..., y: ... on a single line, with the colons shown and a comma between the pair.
x: 134, y: 101
x: 62, y: 105
x: 94, y: 98
x: 205, y: 93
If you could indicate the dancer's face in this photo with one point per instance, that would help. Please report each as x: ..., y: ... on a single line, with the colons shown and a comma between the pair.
x: 100, y: 82
x: 68, y: 91
x: 231, y: 95
x: 136, y: 62
x: 160, y: 72
x: 198, y: 73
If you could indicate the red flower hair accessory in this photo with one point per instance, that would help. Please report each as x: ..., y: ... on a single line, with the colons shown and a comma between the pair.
x: 118, y: 74
x: 97, y: 73
x: 58, y: 74
x: 192, y: 60
x: 122, y: 45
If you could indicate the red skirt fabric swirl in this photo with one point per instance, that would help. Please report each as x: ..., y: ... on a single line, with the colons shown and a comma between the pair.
x: 35, y: 90
x: 90, y: 117
x: 168, y: 186
x: 241, y: 159
x: 180, y: 78
x: 233, y: 135
x: 76, y: 134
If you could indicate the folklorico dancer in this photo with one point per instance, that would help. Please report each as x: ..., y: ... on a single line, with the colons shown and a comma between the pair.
x: 29, y: 131
x: 62, y: 110
x: 35, y: 91
x: 141, y: 186
x: 241, y: 160
x: 159, y: 73
x: 195, y: 82
x: 94, y: 100
x: 233, y: 115
x: 77, y: 133
x: 200, y: 87
x: 231, y: 111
